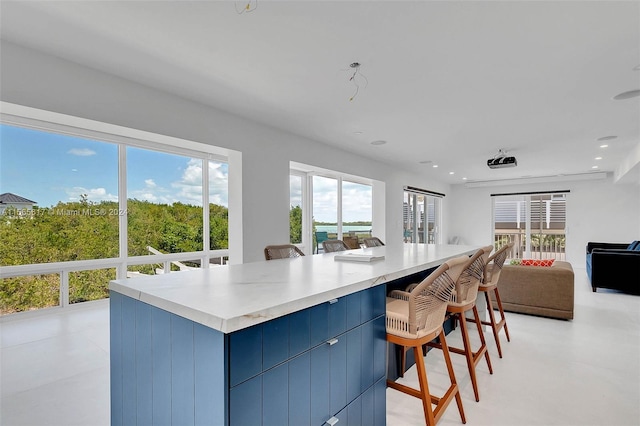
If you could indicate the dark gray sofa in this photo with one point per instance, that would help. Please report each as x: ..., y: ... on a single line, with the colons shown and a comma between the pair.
x: 614, y: 265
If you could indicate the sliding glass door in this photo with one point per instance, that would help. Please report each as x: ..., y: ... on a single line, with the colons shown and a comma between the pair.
x: 535, y: 223
x: 421, y: 218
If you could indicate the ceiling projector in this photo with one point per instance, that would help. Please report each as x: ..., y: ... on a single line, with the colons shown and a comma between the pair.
x: 500, y: 161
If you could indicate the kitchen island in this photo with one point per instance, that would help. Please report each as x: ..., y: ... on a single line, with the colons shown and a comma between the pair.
x: 291, y: 341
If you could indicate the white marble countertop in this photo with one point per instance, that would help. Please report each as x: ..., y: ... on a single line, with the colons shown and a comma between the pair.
x: 233, y: 297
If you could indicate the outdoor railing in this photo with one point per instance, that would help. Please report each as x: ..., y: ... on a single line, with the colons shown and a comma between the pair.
x: 59, y: 273
x: 545, y: 245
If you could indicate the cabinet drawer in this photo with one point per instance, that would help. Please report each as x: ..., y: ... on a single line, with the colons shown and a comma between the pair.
x: 368, y: 409
x: 264, y: 346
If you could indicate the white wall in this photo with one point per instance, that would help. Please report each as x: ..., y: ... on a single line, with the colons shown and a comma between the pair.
x: 45, y: 82
x: 597, y: 210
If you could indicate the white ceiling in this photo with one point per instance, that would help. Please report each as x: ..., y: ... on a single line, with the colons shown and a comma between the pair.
x: 448, y: 82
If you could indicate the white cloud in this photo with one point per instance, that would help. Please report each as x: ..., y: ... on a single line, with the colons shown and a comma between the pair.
x: 295, y: 191
x: 93, y: 194
x: 190, y: 184
x: 81, y: 152
x: 356, y: 201
x: 192, y: 175
x: 218, y: 183
x: 188, y: 188
x: 149, y: 196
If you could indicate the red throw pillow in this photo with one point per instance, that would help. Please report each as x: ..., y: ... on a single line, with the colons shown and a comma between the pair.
x: 537, y: 262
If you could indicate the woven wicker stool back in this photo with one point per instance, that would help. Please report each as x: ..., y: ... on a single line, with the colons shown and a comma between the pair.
x: 282, y: 251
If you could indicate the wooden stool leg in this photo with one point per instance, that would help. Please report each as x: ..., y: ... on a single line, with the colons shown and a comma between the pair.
x: 403, y: 360
x: 468, y: 353
x: 504, y: 320
x: 452, y: 375
x: 424, y: 386
x: 492, y: 322
x: 483, y: 342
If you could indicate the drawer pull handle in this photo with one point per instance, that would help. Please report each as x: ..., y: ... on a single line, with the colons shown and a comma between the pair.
x: 332, y: 421
x: 332, y: 301
x: 332, y: 342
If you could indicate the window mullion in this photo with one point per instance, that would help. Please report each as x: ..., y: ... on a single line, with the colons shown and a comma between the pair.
x: 122, y: 204
x: 206, y: 234
x: 339, y: 207
x: 528, y: 215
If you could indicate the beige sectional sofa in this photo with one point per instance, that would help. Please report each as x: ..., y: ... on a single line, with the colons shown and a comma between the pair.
x: 538, y: 290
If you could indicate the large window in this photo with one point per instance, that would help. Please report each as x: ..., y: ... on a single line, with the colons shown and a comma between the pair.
x: 164, y: 202
x: 535, y: 223
x: 79, y: 208
x: 71, y: 184
x: 337, y: 207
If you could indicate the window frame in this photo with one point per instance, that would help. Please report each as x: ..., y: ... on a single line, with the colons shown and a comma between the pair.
x: 308, y: 172
x: 123, y: 137
x: 411, y: 214
x: 524, y: 216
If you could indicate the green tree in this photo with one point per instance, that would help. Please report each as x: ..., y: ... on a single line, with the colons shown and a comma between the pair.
x: 295, y: 225
x: 83, y: 230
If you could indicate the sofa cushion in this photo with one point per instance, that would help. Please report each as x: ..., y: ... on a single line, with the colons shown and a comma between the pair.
x: 536, y: 262
x: 635, y: 245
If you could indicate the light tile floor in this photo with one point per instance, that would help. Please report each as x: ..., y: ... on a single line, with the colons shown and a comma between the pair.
x: 54, y: 369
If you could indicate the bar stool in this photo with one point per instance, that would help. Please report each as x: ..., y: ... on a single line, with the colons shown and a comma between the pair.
x: 372, y: 242
x: 282, y: 251
x: 463, y: 301
x: 415, y: 318
x: 330, y: 246
x: 492, y: 272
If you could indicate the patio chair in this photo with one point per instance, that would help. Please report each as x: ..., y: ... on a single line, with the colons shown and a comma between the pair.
x: 321, y: 236
x: 282, y: 251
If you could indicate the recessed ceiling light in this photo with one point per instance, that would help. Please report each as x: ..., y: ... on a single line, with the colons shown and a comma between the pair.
x: 604, y: 146
x: 378, y: 142
x: 464, y: 178
x: 435, y: 166
x: 425, y: 162
x: 598, y: 158
x: 627, y: 95
x: 606, y: 138
x: 358, y: 133
x: 594, y: 167
x: 452, y: 173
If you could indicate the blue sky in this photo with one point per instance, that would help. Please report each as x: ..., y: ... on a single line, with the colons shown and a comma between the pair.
x: 48, y: 168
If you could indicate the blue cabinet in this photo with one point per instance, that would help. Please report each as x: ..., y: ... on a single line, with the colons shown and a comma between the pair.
x: 325, y: 362
x: 313, y: 365
x: 166, y: 369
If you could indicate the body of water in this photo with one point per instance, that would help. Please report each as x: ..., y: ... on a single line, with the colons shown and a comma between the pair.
x: 332, y: 229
